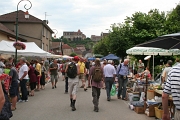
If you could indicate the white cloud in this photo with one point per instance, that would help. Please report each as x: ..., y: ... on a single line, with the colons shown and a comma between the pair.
x: 91, y: 16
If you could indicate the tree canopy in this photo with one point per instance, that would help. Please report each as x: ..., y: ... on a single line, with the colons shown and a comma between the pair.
x: 138, y: 28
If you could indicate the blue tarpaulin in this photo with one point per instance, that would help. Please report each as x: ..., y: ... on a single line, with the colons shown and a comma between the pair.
x: 111, y: 57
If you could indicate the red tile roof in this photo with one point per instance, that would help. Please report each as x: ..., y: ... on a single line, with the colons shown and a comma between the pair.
x: 66, y: 46
x: 11, y: 17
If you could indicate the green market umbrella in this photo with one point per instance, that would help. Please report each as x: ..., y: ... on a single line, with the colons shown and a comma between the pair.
x: 152, y: 51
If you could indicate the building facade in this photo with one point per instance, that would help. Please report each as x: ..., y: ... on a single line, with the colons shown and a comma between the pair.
x: 95, y: 38
x: 32, y: 29
x: 74, y: 36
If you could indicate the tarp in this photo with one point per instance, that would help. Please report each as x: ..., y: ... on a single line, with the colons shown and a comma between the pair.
x: 6, y: 47
x: 111, y: 57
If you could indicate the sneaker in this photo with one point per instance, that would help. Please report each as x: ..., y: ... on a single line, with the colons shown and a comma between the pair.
x: 26, y: 100
x: 20, y: 100
x: 85, y: 89
x: 52, y: 87
x: 55, y: 86
x: 96, y: 109
x: 73, y: 109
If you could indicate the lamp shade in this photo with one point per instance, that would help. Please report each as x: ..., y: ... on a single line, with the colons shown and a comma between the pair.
x: 27, y: 15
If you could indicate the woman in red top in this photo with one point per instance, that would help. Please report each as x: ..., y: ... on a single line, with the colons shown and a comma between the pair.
x: 33, y: 78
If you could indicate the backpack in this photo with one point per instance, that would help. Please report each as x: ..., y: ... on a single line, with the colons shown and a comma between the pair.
x: 72, y: 70
x: 97, y: 74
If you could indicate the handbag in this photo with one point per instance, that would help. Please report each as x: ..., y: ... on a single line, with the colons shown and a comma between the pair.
x: 6, y: 112
x: 36, y: 72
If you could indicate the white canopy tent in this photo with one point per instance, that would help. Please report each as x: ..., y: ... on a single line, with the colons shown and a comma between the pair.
x: 152, y: 51
x: 6, y: 47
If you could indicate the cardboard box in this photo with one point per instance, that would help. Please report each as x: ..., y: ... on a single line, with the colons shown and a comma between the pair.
x: 152, y: 110
x: 139, y: 110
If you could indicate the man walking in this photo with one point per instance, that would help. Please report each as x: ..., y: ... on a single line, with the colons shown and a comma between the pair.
x: 72, y: 70
x: 82, y: 73
x: 109, y: 75
x: 54, y: 73
x: 66, y: 77
x: 13, y: 91
x: 96, y: 74
x: 23, y: 77
x: 122, y: 73
x: 172, y: 87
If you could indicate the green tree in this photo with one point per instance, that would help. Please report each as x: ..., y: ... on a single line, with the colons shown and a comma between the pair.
x: 73, y: 54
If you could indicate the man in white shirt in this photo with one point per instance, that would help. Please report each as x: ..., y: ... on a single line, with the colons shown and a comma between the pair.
x: 109, y: 75
x: 23, y: 77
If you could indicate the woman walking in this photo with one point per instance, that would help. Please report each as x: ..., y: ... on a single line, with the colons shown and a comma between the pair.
x: 43, y: 72
x: 33, y: 78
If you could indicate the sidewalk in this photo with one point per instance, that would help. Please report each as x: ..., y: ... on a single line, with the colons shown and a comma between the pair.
x: 53, y: 104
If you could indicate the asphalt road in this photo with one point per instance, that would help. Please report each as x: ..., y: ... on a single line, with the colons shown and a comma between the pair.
x: 53, y: 104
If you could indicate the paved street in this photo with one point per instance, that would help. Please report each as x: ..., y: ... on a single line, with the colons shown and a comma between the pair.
x: 52, y: 104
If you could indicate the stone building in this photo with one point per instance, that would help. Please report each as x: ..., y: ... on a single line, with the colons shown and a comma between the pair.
x: 32, y: 29
x: 74, y: 36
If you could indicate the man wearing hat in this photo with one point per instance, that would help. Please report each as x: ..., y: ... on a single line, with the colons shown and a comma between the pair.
x: 2, y: 65
x: 73, y: 83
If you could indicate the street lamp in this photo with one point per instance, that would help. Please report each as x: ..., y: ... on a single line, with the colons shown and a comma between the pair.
x: 26, y: 16
x: 55, y: 33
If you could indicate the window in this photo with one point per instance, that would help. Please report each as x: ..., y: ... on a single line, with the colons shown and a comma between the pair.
x: 44, y: 31
x: 43, y: 46
x: 47, y: 48
x: 47, y: 34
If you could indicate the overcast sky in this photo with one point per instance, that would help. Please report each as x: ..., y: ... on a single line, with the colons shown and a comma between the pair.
x: 90, y: 16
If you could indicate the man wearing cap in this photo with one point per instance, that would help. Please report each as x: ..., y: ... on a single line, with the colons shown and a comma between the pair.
x: 2, y: 65
x: 23, y: 77
x: 73, y: 84
x: 122, y: 73
x: 109, y: 75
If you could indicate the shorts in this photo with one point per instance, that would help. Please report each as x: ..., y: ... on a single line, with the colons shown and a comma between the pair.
x: 13, y: 91
x: 82, y: 76
x: 73, y: 86
x: 33, y: 85
x: 54, y: 77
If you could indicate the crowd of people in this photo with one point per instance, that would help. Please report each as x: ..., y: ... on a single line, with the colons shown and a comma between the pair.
x: 27, y: 77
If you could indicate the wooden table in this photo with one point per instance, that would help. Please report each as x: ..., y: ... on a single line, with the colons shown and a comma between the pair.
x: 171, y: 104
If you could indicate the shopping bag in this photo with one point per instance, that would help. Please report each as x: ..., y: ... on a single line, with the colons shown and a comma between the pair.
x: 113, y: 90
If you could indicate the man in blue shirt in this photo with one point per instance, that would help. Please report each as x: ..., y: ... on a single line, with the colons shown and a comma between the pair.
x: 122, y: 73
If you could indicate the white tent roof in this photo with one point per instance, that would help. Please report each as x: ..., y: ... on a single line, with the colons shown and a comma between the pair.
x: 152, y: 51
x: 6, y: 47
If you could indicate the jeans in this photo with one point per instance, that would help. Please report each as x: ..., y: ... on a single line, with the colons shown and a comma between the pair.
x: 24, y: 89
x: 122, y: 86
x: 66, y: 84
x: 96, y: 94
x: 108, y: 82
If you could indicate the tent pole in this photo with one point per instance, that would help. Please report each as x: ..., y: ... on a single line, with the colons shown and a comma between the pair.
x: 153, y: 68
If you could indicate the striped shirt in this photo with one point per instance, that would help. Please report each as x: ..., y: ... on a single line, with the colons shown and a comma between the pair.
x: 173, y: 85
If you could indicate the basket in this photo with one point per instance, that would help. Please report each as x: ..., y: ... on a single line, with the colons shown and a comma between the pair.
x: 158, y: 113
